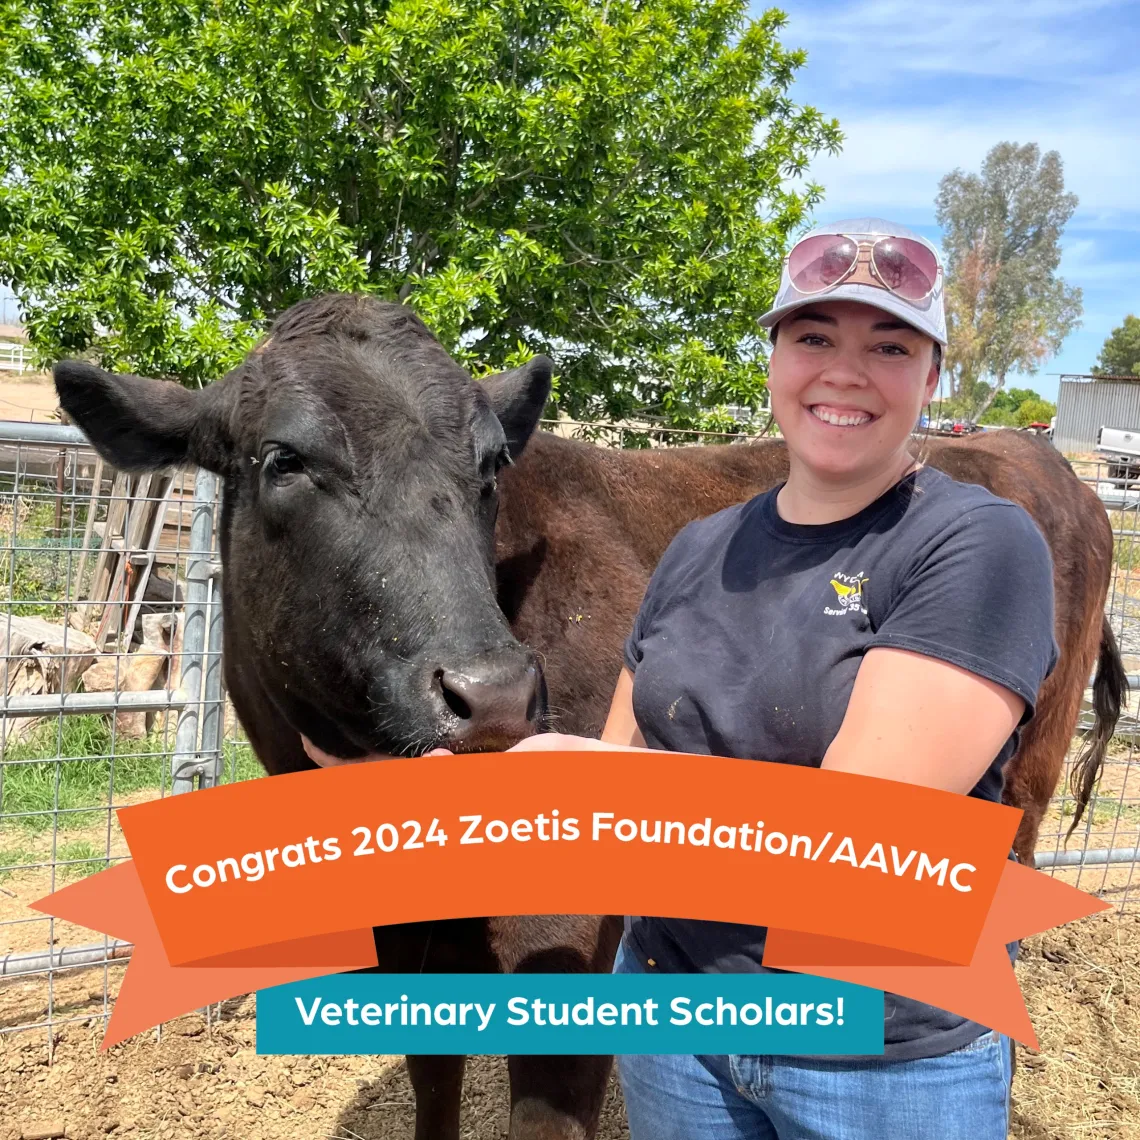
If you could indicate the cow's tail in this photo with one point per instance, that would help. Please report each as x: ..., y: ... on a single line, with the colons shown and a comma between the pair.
x: 1110, y: 688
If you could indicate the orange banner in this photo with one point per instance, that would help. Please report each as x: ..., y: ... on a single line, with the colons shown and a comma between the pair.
x: 889, y: 885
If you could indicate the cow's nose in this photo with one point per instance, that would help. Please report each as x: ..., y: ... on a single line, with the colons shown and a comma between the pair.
x: 494, y: 699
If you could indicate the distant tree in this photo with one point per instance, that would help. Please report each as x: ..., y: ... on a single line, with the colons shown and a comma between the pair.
x: 1120, y: 355
x: 1006, y: 308
x: 1014, y: 407
x: 994, y: 416
x: 608, y: 181
x: 1009, y: 398
x: 1035, y: 412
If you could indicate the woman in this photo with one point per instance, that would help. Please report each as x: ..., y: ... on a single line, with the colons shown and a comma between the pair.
x: 870, y: 615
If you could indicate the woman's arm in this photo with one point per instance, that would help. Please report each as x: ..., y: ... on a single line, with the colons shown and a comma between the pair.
x: 919, y: 720
x: 621, y: 724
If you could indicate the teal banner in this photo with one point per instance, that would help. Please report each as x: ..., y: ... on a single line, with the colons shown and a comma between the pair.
x: 476, y: 1014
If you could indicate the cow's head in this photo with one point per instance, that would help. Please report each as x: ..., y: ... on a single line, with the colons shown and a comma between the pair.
x: 360, y: 466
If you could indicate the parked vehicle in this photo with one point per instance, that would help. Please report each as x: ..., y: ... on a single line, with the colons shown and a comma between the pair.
x: 954, y: 427
x: 1121, y: 448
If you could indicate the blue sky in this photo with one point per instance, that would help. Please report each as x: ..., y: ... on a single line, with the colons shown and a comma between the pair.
x: 922, y: 88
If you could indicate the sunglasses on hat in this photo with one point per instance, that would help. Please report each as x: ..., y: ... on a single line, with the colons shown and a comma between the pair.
x: 901, y: 265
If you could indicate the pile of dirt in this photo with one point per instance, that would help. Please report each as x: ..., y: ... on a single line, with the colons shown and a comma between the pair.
x: 204, y: 1081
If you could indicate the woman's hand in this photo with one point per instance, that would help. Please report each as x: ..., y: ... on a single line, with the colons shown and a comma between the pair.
x: 327, y: 761
x: 564, y: 742
x: 543, y: 742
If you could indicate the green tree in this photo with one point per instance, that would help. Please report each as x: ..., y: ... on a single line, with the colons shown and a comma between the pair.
x: 608, y: 182
x: 1009, y: 399
x: 1120, y: 354
x: 1015, y: 407
x: 998, y: 417
x: 1036, y: 411
x: 1006, y: 308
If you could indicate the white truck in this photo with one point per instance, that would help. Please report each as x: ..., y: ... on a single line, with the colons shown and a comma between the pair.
x: 1121, y: 447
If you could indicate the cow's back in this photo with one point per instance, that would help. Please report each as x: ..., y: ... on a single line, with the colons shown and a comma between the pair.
x: 581, y: 529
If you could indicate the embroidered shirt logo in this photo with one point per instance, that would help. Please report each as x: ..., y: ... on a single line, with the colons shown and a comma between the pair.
x: 848, y: 594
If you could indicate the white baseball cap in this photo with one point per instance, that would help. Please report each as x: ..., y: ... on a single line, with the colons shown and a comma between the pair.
x: 813, y: 262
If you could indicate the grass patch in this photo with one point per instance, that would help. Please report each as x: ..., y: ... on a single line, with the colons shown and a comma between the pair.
x: 1126, y: 554
x: 1125, y: 546
x: 79, y: 859
x: 69, y: 764
x: 72, y: 766
x: 239, y: 762
x: 37, y: 573
x: 1105, y: 811
x: 13, y: 858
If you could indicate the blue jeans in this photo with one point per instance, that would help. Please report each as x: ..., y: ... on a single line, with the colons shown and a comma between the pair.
x: 962, y: 1095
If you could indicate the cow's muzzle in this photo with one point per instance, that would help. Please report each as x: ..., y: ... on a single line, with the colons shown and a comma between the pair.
x: 488, y: 702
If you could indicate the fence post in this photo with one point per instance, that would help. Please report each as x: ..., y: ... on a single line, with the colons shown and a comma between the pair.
x: 214, y: 694
x: 186, y: 762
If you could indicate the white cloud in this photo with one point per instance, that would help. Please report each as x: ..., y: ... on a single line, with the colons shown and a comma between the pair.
x: 1091, y: 264
x: 1006, y: 40
x: 896, y: 160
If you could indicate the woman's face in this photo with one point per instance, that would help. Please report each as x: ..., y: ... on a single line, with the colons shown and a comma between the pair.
x: 847, y: 383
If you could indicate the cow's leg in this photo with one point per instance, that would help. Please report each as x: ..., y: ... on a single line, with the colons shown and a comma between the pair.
x: 449, y: 947
x: 556, y: 1098
x: 438, y: 1083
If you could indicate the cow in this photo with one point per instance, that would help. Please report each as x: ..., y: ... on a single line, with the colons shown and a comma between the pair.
x: 409, y: 564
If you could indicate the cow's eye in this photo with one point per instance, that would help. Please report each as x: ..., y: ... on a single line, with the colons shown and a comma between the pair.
x: 281, y: 463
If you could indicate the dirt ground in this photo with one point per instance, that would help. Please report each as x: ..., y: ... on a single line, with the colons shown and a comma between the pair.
x: 25, y: 931
x: 205, y: 1082
x: 30, y: 397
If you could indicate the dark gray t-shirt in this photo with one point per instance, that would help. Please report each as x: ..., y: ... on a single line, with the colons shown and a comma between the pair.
x: 752, y: 630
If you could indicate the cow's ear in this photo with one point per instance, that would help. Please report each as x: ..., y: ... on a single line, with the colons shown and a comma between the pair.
x: 137, y: 424
x: 517, y: 398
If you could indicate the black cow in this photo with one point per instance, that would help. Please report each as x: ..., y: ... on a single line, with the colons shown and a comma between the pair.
x: 374, y: 602
x: 360, y: 467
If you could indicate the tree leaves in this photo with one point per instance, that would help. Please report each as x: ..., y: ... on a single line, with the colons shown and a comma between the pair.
x: 604, y: 182
x: 1120, y: 354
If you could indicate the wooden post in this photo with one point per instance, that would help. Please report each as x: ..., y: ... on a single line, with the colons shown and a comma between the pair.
x: 89, y: 528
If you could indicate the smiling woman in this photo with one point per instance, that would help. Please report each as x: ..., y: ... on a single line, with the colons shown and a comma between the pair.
x: 869, y: 614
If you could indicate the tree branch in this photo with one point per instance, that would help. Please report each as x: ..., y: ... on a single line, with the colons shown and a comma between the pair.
x: 589, y: 258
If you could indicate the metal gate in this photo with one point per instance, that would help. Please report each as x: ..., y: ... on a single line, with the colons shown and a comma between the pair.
x: 111, y: 693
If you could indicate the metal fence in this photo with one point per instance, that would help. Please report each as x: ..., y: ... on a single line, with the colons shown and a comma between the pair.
x: 16, y: 357
x: 113, y: 693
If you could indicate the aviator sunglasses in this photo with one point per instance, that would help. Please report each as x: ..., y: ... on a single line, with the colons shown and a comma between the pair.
x: 901, y: 265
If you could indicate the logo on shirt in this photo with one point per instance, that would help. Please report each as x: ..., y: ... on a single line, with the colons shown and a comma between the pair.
x: 848, y: 594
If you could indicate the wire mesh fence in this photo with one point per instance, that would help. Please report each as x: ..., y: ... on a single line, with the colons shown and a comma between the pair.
x: 112, y: 692
x: 1102, y: 854
x: 110, y: 688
